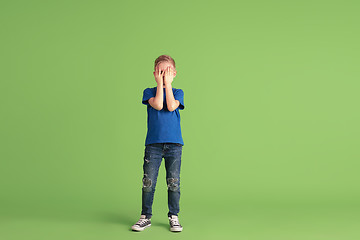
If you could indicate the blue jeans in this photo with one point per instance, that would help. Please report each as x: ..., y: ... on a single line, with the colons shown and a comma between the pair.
x: 153, y: 155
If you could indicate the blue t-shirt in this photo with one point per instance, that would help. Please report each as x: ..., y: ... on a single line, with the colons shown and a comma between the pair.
x: 163, y: 126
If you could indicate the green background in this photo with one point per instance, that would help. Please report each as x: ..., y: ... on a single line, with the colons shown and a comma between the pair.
x: 270, y: 125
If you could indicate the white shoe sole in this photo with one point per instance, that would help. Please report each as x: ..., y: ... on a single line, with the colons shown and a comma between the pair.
x: 139, y: 229
x: 176, y: 229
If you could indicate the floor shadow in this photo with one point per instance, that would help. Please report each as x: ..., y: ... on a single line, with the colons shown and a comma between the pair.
x: 160, y: 224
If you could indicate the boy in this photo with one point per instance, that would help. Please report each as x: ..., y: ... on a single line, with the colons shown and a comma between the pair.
x: 163, y: 140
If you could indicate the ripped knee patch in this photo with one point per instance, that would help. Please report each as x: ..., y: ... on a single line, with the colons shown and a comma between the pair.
x: 147, y: 184
x: 173, y: 184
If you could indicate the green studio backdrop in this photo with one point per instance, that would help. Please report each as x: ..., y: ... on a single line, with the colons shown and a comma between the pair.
x: 270, y: 125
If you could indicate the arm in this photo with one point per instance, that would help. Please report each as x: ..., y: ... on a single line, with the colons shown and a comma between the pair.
x: 171, y: 103
x: 157, y: 101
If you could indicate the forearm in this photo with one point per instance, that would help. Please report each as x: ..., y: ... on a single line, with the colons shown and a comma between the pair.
x: 159, y: 97
x: 170, y: 99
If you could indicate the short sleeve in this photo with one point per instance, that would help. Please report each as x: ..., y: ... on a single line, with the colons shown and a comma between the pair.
x: 179, y: 95
x: 147, y: 94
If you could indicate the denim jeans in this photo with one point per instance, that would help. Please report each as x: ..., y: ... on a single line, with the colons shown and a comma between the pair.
x: 153, y: 155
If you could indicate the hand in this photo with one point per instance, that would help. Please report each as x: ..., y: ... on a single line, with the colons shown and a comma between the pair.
x: 159, y: 77
x: 169, y: 75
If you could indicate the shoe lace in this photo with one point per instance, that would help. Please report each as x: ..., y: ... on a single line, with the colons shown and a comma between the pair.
x: 174, y: 221
x: 142, y: 220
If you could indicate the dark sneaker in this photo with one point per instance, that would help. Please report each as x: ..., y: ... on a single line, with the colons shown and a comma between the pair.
x: 174, y: 224
x: 141, y: 224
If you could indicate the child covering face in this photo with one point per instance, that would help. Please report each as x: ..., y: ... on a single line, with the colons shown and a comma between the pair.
x: 163, y: 140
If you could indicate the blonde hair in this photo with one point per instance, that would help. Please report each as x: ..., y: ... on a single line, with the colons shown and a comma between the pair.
x: 164, y: 58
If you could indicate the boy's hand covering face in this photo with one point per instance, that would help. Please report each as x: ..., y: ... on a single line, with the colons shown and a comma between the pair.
x: 159, y: 75
x: 164, y: 76
x: 168, y: 75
